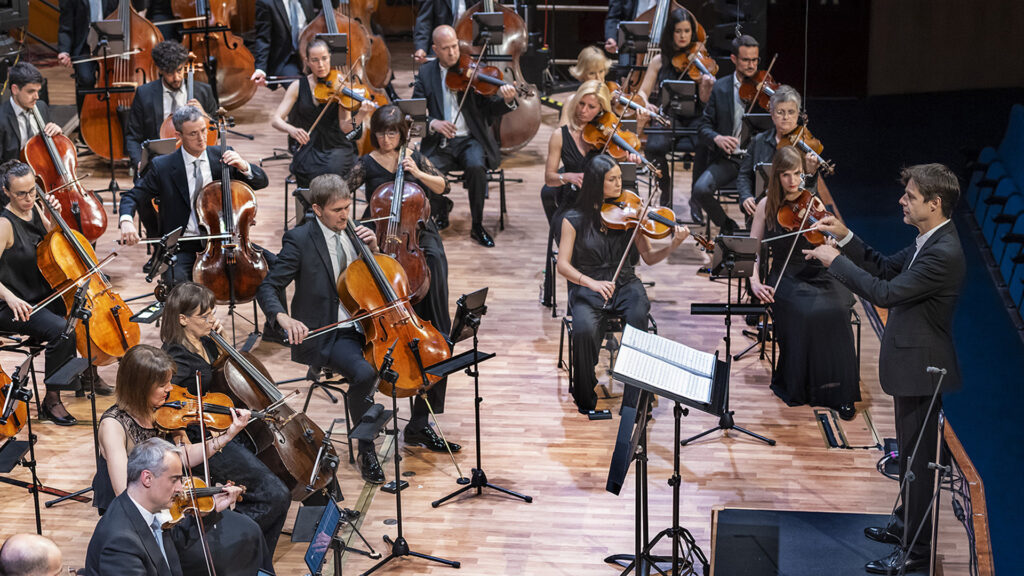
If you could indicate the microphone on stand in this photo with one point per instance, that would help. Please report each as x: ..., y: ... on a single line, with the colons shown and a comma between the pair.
x: 934, y: 370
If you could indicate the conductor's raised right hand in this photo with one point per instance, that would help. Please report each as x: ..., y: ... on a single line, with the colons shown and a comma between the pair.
x: 297, y: 331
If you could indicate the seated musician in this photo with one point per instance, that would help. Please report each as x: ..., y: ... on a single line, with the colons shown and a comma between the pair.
x: 188, y: 318
x: 811, y: 309
x: 314, y: 255
x: 591, y: 64
x: 430, y: 15
x: 330, y: 147
x: 720, y: 128
x: 156, y: 100
x: 275, y: 40
x: 17, y: 123
x: 30, y: 555
x: 74, y: 26
x: 23, y: 226
x: 460, y: 140
x: 589, y: 254
x: 678, y: 37
x: 143, y: 383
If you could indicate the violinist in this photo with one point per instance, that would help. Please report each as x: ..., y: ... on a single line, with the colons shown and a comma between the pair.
x: 430, y: 15
x: 143, y: 383
x: 330, y: 148
x: 156, y: 100
x: 811, y: 309
x: 22, y: 227
x: 461, y: 139
x: 74, y: 25
x: 591, y: 64
x: 275, y: 40
x: 589, y: 253
x: 189, y: 315
x: 17, y: 126
x: 678, y: 37
x: 721, y: 127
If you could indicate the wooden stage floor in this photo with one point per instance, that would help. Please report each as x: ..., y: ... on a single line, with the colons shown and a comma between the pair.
x: 533, y: 439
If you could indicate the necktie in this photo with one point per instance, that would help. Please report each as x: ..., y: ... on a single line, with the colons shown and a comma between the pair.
x: 30, y: 126
x: 197, y: 178
x: 174, y: 100
x: 737, y: 105
x: 95, y: 10
x: 158, y: 533
x: 294, y: 17
x: 340, y: 259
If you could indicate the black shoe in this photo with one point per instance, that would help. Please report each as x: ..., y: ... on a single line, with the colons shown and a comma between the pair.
x: 696, y: 214
x: 728, y: 228
x: 370, y: 468
x: 153, y: 260
x: 893, y: 563
x: 275, y: 335
x: 441, y: 216
x: 429, y: 440
x: 102, y: 388
x: 479, y: 234
x: 46, y: 413
x: 848, y: 412
x: 882, y: 534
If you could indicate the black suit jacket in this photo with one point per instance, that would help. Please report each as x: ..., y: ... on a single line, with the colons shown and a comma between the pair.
x: 167, y: 181
x: 10, y: 132
x: 921, y: 300
x: 431, y: 14
x: 74, y: 25
x: 718, y: 115
x: 618, y: 11
x: 479, y: 111
x: 123, y: 544
x: 147, y: 114
x: 304, y: 259
x: 272, y: 37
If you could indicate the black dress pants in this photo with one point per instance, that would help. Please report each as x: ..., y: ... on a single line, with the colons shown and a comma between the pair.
x: 718, y: 174
x: 44, y: 326
x: 466, y: 154
x: 913, y: 419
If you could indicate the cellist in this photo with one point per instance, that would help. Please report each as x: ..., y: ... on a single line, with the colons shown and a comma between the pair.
x: 17, y: 126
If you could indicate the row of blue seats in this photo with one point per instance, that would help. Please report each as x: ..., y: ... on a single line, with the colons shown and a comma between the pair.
x: 995, y: 195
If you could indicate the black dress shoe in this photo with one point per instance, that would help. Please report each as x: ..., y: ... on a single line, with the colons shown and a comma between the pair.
x: 429, y: 440
x: 102, y: 388
x: 370, y: 468
x: 46, y: 413
x: 881, y: 534
x: 848, y: 412
x: 893, y: 563
x: 696, y: 213
x: 479, y: 234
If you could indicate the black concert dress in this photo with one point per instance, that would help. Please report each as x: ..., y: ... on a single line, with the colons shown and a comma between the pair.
x: 329, y: 150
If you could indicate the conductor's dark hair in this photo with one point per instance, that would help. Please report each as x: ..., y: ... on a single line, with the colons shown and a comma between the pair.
x: 386, y: 118
x: 934, y: 181
x: 745, y: 41
x: 13, y: 169
x: 591, y: 194
x: 24, y: 73
x: 169, y: 56
x: 668, y: 42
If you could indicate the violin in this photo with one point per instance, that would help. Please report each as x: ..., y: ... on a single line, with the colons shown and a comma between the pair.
x: 167, y: 129
x: 484, y: 80
x: 760, y: 88
x: 604, y: 132
x: 13, y: 412
x: 181, y: 409
x: 625, y: 212
x: 657, y: 16
x: 695, y: 62
x: 377, y: 282
x: 349, y: 95
x: 55, y: 162
x: 407, y: 210
x: 802, y: 213
x: 224, y: 54
x: 804, y: 141
x: 194, y: 497
x: 621, y: 101
x: 231, y: 268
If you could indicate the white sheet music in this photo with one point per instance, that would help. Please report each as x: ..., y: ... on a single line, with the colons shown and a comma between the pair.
x: 700, y: 363
x: 666, y: 379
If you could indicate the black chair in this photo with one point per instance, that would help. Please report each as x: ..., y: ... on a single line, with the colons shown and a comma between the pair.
x: 614, y: 325
x: 26, y: 346
x: 496, y: 175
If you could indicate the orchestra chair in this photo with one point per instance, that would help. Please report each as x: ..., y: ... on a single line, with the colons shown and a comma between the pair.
x: 1013, y: 254
x: 496, y: 175
x: 327, y: 381
x: 28, y: 347
x: 998, y: 225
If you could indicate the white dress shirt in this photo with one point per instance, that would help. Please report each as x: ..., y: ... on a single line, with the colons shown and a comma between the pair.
x: 920, y: 240
x: 148, y: 517
x: 172, y: 96
x: 644, y: 5
x: 350, y: 256
x: 451, y: 107
x: 26, y: 125
x: 192, y: 229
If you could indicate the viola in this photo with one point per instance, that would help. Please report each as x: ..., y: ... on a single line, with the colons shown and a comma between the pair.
x: 804, y: 141
x: 55, y: 162
x: 759, y: 88
x: 195, y: 496
x: 484, y: 80
x: 407, y: 210
x: 167, y: 129
x: 695, y: 62
x: 377, y: 282
x: 626, y: 211
x: 13, y: 412
x: 802, y: 213
x: 224, y: 54
x: 231, y: 268
x: 181, y: 409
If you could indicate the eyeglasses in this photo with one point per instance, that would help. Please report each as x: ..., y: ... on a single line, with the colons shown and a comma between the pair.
x: 390, y: 133
x: 30, y: 193
x: 786, y: 113
x: 208, y: 317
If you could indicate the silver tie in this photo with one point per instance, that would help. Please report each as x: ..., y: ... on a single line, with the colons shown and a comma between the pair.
x: 340, y: 258
x: 158, y: 533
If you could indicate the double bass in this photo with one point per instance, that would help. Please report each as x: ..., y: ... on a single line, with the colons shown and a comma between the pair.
x: 55, y: 161
x: 231, y: 268
x: 133, y: 68
x: 331, y: 21
x: 377, y: 68
x: 225, y: 54
x: 519, y: 126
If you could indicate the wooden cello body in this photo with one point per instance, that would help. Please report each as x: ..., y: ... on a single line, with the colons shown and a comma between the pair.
x: 222, y: 51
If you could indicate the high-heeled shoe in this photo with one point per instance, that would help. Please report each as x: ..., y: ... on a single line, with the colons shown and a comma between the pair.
x: 46, y: 412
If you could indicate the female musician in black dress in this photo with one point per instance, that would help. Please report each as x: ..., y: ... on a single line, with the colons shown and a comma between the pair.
x: 143, y: 383
x: 389, y: 132
x: 817, y: 362
x: 563, y: 171
x: 331, y: 146
x: 589, y: 254
x: 22, y: 227
x: 187, y: 320
x: 678, y: 36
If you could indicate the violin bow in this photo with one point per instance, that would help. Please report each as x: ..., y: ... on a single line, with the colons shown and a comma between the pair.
x: 760, y: 86
x: 800, y: 229
x: 191, y: 495
x: 472, y: 76
x: 632, y: 241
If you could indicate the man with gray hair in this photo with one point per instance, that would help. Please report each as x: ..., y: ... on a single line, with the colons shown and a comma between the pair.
x: 29, y: 555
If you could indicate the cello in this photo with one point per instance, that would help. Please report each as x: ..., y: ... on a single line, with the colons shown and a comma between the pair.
x: 519, y: 126
x: 231, y: 268
x: 375, y: 285
x: 231, y: 63
x: 167, y: 129
x: 133, y: 68
x: 55, y: 160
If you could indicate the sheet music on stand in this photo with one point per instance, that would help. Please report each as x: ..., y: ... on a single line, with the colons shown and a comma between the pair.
x: 666, y: 368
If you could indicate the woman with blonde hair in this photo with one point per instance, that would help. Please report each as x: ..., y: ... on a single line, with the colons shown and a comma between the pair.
x: 591, y: 64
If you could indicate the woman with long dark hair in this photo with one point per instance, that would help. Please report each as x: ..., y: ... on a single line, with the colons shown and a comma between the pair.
x: 589, y: 253
x: 817, y: 362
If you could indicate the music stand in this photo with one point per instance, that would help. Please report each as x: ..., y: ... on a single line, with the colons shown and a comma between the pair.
x: 415, y: 110
x: 337, y: 45
x: 488, y: 28
x: 754, y: 124
x: 628, y: 175
x: 634, y: 37
x: 682, y: 96
x: 153, y: 148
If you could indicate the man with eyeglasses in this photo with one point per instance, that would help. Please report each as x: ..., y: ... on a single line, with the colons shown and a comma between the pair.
x: 720, y: 129
x: 31, y: 555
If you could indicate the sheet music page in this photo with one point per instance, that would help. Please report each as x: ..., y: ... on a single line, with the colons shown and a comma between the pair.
x: 700, y: 363
x: 668, y: 379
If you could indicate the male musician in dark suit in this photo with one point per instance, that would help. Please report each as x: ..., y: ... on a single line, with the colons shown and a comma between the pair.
x: 720, y: 129
x: 431, y: 14
x: 17, y: 123
x: 129, y: 539
x: 461, y: 140
x: 275, y: 42
x: 76, y: 17
x: 920, y: 286
x: 314, y: 255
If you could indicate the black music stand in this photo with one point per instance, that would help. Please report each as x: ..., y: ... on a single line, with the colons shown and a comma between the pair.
x: 488, y: 28
x: 470, y: 308
x: 735, y: 256
x: 209, y: 60
x: 337, y: 46
x: 325, y: 537
x: 634, y: 38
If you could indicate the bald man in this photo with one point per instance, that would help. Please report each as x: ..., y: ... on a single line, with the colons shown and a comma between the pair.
x: 30, y: 555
